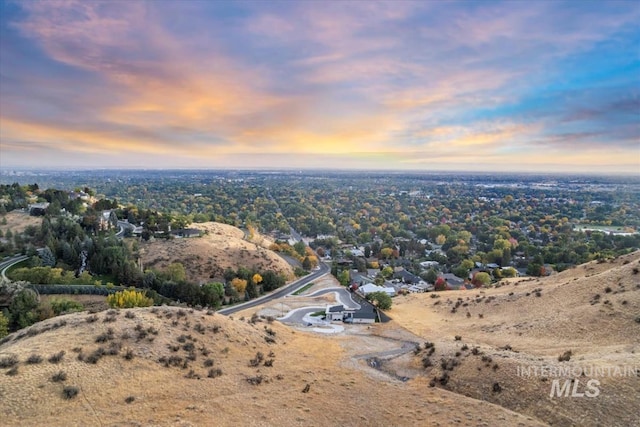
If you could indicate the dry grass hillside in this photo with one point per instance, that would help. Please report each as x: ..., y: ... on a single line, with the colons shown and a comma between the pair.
x: 220, y: 247
x: 173, y: 366
x: 591, y: 311
x: 17, y: 221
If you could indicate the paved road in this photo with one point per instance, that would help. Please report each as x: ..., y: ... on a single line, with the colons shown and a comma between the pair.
x: 285, y: 290
x: 344, y: 296
x: 4, y: 265
x: 122, y: 225
x: 297, y: 316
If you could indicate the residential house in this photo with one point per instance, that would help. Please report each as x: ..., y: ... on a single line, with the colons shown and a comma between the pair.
x: 360, y: 317
x: 186, y: 232
x: 38, y: 209
x: 453, y: 280
x: 107, y: 220
x: 405, y: 276
x: 370, y: 288
x: 334, y: 313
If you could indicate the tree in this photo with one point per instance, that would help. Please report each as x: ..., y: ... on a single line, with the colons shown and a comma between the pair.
x: 240, y: 285
x: 176, y: 272
x: 4, y: 323
x: 440, y: 284
x: 344, y: 278
x: 129, y: 299
x: 271, y: 280
x: 252, y: 290
x: 387, y: 272
x: 22, y: 308
x: 509, y: 272
x: 256, y: 278
x: 534, y: 269
x: 63, y: 306
x: 481, y: 279
x: 300, y: 248
x: 386, y: 253
x: 441, y: 239
x: 465, y: 236
x: 48, y: 259
x: 212, y: 294
x: 380, y: 299
x: 429, y: 276
x: 306, y: 263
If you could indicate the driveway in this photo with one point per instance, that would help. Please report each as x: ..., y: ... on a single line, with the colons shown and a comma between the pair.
x: 343, y: 296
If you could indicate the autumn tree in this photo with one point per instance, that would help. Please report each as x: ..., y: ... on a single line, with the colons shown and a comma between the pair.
x: 129, y: 299
x: 386, y: 253
x: 440, y: 284
x: 240, y: 285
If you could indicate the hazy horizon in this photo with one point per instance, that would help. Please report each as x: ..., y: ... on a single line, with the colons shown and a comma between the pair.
x: 535, y: 87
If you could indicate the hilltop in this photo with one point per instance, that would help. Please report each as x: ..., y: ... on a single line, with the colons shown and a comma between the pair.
x: 220, y: 246
x: 173, y: 366
x: 589, y: 314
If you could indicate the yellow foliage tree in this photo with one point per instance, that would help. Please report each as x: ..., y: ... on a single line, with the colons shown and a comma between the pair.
x: 239, y: 284
x: 129, y: 299
x: 386, y: 253
x: 256, y: 278
x: 251, y: 231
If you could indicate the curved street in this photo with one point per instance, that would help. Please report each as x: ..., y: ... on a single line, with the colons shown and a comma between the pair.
x: 281, y: 292
x: 343, y: 296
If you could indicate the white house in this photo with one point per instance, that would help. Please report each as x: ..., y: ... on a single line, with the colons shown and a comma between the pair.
x: 370, y: 288
x: 334, y: 312
x: 429, y: 264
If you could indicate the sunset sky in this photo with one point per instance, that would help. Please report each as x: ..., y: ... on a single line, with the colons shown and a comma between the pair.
x: 429, y: 85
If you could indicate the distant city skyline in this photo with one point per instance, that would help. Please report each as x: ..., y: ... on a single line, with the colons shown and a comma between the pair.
x: 417, y: 86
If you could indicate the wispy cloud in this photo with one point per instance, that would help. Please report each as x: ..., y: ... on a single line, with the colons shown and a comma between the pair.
x: 409, y: 81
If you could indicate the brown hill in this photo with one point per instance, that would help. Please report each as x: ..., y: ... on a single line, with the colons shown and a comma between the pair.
x: 220, y: 247
x: 17, y: 221
x: 173, y: 366
x: 592, y: 310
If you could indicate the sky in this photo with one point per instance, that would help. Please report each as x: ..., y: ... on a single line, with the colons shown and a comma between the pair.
x: 535, y: 86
